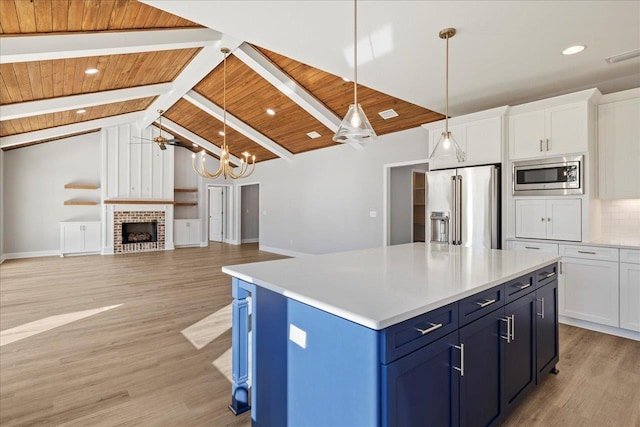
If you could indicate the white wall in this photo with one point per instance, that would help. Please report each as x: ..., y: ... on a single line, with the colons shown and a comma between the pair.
x: 250, y: 215
x: 321, y: 202
x: 34, y: 193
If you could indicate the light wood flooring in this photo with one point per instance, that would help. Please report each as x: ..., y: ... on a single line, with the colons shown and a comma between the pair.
x: 132, y: 366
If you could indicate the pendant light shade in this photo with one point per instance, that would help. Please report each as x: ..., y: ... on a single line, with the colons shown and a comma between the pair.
x: 447, y: 147
x: 355, y: 126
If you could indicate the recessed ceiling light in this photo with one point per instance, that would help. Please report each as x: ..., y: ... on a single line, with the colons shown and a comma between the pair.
x: 313, y: 135
x: 271, y: 112
x: 91, y: 71
x: 346, y: 79
x: 194, y: 144
x: 573, y: 49
x: 388, y: 114
x: 220, y: 133
x: 81, y: 111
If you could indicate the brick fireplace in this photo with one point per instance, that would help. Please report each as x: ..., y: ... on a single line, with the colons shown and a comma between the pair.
x: 132, y: 217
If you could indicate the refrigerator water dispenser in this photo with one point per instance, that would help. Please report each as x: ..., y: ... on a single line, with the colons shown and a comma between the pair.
x: 440, y: 227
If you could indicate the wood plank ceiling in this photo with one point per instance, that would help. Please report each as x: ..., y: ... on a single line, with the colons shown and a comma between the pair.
x: 249, y: 95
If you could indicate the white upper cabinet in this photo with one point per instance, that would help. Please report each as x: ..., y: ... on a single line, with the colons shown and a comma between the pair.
x: 551, y: 131
x: 619, y: 148
x: 480, y: 135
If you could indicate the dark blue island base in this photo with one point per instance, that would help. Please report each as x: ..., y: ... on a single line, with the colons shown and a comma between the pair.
x: 468, y: 363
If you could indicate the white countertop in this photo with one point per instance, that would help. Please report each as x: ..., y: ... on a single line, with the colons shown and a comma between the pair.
x: 380, y: 287
x: 630, y: 242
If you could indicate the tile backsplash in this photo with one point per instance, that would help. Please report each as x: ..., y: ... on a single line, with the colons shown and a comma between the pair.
x: 621, y: 218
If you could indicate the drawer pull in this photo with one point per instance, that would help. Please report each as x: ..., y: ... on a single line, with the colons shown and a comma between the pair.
x: 522, y: 286
x: 532, y: 247
x: 586, y: 252
x: 486, y: 302
x: 433, y: 327
x: 547, y: 274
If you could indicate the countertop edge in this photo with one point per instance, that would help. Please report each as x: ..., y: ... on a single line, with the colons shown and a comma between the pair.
x: 384, y: 323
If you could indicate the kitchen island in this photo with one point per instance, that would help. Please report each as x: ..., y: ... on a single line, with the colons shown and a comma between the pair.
x: 416, y: 334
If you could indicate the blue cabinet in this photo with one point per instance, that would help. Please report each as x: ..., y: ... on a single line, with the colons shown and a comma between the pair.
x: 548, y: 350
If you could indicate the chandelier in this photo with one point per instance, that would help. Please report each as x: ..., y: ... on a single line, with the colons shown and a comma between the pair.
x: 225, y: 168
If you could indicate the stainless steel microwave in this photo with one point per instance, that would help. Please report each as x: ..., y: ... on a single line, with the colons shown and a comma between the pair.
x: 549, y: 177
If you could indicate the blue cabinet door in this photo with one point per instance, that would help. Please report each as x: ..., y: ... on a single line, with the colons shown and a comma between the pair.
x: 480, y: 385
x: 519, y: 374
x: 421, y: 388
x: 547, y: 329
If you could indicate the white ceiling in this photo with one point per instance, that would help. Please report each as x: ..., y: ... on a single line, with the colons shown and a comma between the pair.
x: 505, y: 52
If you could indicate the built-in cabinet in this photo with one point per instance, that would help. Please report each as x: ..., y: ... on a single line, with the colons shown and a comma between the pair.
x: 630, y: 289
x: 80, y: 237
x: 479, y: 135
x: 556, y: 219
x: 552, y: 131
x: 619, y: 148
x: 186, y: 232
x: 506, y: 343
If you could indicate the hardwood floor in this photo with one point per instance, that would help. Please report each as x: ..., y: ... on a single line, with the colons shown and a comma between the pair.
x: 137, y: 363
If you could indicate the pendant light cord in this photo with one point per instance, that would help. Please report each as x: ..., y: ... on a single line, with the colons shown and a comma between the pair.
x: 446, y: 112
x: 355, y: 53
x: 224, y: 101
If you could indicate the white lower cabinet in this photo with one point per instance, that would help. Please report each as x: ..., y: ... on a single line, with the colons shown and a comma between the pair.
x: 80, y: 237
x: 551, y: 248
x: 590, y: 289
x: 186, y: 232
x: 630, y: 289
x: 555, y: 219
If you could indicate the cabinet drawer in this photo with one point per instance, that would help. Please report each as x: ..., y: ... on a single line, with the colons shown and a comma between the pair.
x: 589, y: 252
x: 534, y: 247
x: 546, y: 275
x: 403, y: 338
x: 630, y: 255
x: 476, y: 306
x: 518, y: 287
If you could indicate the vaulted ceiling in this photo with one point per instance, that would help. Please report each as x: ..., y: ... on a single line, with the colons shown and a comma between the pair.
x: 290, y: 57
x: 149, y: 60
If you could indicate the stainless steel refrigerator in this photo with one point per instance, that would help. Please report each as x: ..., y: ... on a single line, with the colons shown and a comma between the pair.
x: 463, y: 206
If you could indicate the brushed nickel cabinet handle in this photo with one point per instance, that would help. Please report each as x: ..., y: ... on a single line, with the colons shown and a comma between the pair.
x: 508, y: 336
x: 542, y: 219
x: 522, y: 286
x: 542, y: 304
x: 541, y: 146
x: 546, y: 274
x: 532, y: 247
x: 586, y: 252
x: 548, y: 145
x: 461, y: 368
x: 548, y: 219
x: 486, y: 302
x: 433, y: 327
x: 513, y: 327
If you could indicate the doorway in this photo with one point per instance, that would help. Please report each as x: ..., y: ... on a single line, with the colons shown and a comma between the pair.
x: 217, y: 213
x: 249, y: 213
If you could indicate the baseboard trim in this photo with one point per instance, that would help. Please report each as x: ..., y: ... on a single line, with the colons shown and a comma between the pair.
x: 37, y: 254
x: 286, y: 252
x: 624, y: 333
x: 2, y: 258
x: 255, y: 240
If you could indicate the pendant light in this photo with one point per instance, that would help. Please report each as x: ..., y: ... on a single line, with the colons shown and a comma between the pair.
x: 447, y: 147
x: 225, y: 169
x: 355, y: 126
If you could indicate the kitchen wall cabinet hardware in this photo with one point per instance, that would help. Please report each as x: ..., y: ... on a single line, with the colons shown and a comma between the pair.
x: 630, y: 289
x: 479, y: 135
x: 619, y: 149
x: 186, y: 232
x: 80, y: 237
x: 556, y: 219
x: 590, y: 290
x: 552, y: 131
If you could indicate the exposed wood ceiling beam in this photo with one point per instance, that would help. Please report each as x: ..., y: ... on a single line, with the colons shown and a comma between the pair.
x: 23, y: 138
x: 65, y: 103
x: 181, y: 131
x: 289, y: 87
x: 45, y: 47
x: 204, y: 104
x: 205, y: 61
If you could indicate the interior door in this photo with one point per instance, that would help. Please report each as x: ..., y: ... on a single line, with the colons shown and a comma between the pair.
x: 216, y: 214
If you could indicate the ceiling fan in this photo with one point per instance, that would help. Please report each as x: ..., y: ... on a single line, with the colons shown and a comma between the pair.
x: 160, y: 140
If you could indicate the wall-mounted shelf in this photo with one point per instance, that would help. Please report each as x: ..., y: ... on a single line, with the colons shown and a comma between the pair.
x: 80, y: 202
x: 186, y: 204
x: 81, y: 186
x: 185, y: 190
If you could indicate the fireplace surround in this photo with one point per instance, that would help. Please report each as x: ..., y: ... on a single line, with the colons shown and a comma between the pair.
x: 130, y: 230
